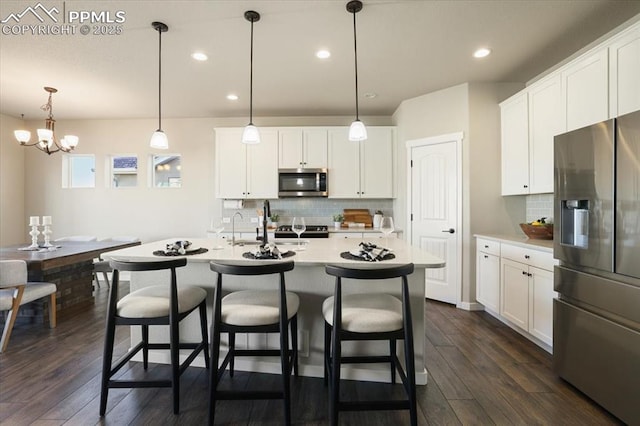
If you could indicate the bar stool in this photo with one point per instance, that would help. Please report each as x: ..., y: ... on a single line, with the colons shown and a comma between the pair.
x: 254, y: 311
x: 368, y: 317
x: 163, y: 304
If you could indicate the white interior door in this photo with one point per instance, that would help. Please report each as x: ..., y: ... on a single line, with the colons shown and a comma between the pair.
x: 435, y: 210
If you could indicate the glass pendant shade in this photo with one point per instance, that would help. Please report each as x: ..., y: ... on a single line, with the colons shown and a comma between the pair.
x: 159, y: 140
x: 22, y: 136
x: 251, y: 135
x: 45, y: 136
x: 357, y: 131
x: 71, y: 140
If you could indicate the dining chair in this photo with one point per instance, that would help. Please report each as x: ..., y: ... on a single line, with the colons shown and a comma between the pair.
x: 15, y: 291
x: 163, y: 304
x: 102, y: 266
x: 254, y: 311
x: 369, y: 316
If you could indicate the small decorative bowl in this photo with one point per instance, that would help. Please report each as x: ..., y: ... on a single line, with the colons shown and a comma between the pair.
x: 538, y: 232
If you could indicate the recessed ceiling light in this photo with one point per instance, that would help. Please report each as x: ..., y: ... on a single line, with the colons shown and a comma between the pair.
x: 370, y: 95
x: 232, y: 97
x: 323, y: 54
x: 482, y: 52
x: 199, y: 56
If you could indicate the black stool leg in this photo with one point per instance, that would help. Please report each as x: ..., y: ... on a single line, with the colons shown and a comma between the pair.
x: 203, y: 329
x: 294, y: 344
x: 174, y: 345
x: 215, y: 350
x: 409, y: 352
x: 232, y: 352
x: 327, y: 351
x: 286, y: 371
x: 107, y: 358
x: 392, y: 355
x: 145, y: 346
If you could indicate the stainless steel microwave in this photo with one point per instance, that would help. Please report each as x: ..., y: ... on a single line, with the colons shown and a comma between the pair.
x: 302, y: 183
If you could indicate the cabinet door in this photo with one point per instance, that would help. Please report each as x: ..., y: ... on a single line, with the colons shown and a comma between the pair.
x: 344, y: 165
x: 624, y: 68
x: 541, y: 296
x: 515, y: 145
x: 585, y: 90
x: 231, y: 170
x: 290, y: 149
x: 488, y: 281
x: 262, y: 166
x: 514, y: 287
x: 314, y: 148
x: 544, y: 123
x: 346, y: 235
x: 376, y: 163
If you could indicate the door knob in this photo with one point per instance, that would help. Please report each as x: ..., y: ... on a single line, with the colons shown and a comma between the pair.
x: 450, y: 230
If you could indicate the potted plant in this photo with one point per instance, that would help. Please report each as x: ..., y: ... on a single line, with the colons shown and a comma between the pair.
x: 274, y: 219
x: 337, y: 220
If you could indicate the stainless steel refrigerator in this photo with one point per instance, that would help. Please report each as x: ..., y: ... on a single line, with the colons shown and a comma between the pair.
x: 596, y: 326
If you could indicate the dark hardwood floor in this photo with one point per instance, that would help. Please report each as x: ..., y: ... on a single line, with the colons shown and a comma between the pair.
x: 480, y: 372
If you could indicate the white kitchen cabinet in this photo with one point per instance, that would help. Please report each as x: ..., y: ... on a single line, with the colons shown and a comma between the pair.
x: 361, y: 169
x: 527, y: 290
x: 488, y: 274
x: 246, y: 171
x: 624, y: 72
x: 585, y: 90
x: 514, y: 113
x: 545, y: 122
x: 530, y: 120
x: 304, y: 148
x: 361, y: 235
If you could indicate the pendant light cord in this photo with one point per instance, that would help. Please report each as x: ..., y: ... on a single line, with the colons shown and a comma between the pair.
x: 251, y: 80
x: 355, y: 51
x: 159, y: 80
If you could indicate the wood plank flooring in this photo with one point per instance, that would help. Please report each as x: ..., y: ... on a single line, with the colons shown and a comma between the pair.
x: 480, y: 372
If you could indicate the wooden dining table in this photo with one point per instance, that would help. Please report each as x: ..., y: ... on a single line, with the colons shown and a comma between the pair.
x: 69, y: 267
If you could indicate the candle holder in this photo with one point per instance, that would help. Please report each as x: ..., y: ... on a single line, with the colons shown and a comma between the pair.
x: 47, y: 236
x: 34, y: 236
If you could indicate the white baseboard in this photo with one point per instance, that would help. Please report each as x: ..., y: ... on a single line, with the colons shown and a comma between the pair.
x: 473, y: 306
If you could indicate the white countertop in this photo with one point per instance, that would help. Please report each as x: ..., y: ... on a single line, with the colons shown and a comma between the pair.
x: 520, y: 240
x: 319, y: 251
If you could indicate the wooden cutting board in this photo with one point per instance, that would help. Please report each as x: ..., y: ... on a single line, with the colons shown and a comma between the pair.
x: 358, y: 216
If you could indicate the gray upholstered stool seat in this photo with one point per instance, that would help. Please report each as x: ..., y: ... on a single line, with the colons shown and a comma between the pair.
x: 366, y: 313
x: 154, y: 301
x: 256, y: 307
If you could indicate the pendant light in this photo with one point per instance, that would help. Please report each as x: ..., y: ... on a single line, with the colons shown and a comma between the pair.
x: 357, y: 131
x: 251, y: 135
x: 159, y: 139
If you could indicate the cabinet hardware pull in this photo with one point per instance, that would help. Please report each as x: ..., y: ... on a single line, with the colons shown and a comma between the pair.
x: 486, y: 257
x: 526, y: 256
x: 486, y: 246
x: 524, y: 273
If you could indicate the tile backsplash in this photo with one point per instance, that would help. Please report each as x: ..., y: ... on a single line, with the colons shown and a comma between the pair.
x: 316, y: 211
x: 539, y: 205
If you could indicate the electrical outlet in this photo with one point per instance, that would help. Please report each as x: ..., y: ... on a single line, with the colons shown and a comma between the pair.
x: 254, y: 220
x: 226, y: 220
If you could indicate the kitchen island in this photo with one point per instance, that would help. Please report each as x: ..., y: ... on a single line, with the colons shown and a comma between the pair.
x: 312, y: 285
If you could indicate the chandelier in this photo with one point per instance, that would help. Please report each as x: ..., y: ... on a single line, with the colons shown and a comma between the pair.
x: 46, y: 137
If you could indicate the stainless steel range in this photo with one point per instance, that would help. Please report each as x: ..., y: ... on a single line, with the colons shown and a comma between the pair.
x: 312, y: 231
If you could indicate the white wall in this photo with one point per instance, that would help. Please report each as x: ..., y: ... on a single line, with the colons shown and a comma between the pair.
x: 471, y: 109
x: 149, y: 213
x: 13, y: 222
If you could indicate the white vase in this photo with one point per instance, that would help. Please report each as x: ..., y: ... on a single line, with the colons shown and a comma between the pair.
x: 377, y: 218
x: 337, y: 225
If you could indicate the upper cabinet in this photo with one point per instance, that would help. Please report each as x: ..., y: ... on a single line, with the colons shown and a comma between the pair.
x: 361, y: 169
x: 302, y: 148
x: 246, y: 171
x: 585, y: 90
x: 624, y: 70
x: 600, y: 84
x: 530, y: 120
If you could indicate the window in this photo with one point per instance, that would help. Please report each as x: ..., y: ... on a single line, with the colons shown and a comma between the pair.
x: 166, y: 171
x: 124, y: 171
x: 78, y: 171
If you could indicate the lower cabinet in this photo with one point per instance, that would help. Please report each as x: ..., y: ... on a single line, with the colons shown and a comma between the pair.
x: 517, y: 288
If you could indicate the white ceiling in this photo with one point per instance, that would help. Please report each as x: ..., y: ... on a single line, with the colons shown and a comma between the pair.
x: 405, y: 49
